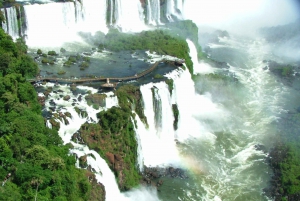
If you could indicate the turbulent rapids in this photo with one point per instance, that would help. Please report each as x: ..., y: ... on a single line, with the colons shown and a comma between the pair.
x: 216, y: 139
x: 215, y: 124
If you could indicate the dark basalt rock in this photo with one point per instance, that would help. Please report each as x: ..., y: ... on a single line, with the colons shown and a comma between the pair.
x: 77, y: 138
x: 154, y: 175
x: 261, y: 147
x: 66, y: 98
x: 83, y: 161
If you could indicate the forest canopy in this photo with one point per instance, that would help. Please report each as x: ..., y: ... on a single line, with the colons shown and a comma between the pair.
x: 33, y: 161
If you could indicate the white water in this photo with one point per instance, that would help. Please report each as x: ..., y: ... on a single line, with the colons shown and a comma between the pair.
x: 199, y: 67
x: 158, y: 140
x: 173, y: 6
x: 112, y: 8
x: 50, y: 24
x: 220, y: 128
x: 4, y: 24
x: 94, y: 16
x: 12, y: 22
x: 102, y: 170
x: 53, y: 24
x: 129, y: 15
x: 153, y: 12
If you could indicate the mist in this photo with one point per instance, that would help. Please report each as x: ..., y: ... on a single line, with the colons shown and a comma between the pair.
x: 242, y: 16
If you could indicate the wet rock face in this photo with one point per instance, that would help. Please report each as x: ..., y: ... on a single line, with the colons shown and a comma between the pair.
x: 77, y: 138
x: 111, y: 158
x: 66, y: 98
x: 41, y: 100
x: 83, y: 161
x: 96, y: 99
x: 143, y: 3
x: 153, y: 176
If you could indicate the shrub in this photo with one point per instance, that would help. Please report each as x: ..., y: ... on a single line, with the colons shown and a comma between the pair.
x: 158, y: 76
x: 52, y: 53
x: 61, y: 72
x: 39, y: 52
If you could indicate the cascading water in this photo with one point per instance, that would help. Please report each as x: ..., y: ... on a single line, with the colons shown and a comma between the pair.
x: 56, y: 23
x: 112, y: 10
x: 99, y: 165
x: 50, y: 24
x: 158, y: 139
x: 12, y: 22
x: 174, y: 8
x: 129, y: 15
x: 21, y: 23
x: 153, y: 12
x: 94, y: 16
x: 219, y: 127
x: 199, y: 67
x: 220, y: 123
x: 4, y: 24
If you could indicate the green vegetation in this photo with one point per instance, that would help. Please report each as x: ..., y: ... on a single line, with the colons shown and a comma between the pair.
x: 170, y: 84
x: 39, y: 52
x: 285, y: 162
x: 176, y: 115
x: 83, y: 60
x: 290, y: 169
x: 13, y: 58
x: 114, y: 137
x: 84, y: 64
x: 47, y: 61
x: 96, y: 100
x: 158, y: 76
x: 39, y: 164
x: 63, y: 50
x: 287, y: 71
x: 159, y: 41
x: 130, y: 99
x: 61, y: 72
x: 52, y: 53
x: 72, y: 59
x: 87, y: 59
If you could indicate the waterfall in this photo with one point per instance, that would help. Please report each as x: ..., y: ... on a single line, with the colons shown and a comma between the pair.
x: 50, y: 24
x: 48, y: 124
x: 21, y: 23
x: 111, y: 100
x: 60, y: 22
x: 12, y: 22
x: 174, y: 8
x: 78, y: 12
x: 179, y: 5
x: 140, y: 156
x: 101, y: 169
x: 94, y: 16
x: 153, y: 12
x: 129, y: 15
x: 201, y: 67
x: 4, y: 24
x: 112, y: 9
x: 149, y: 13
x: 158, y: 140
